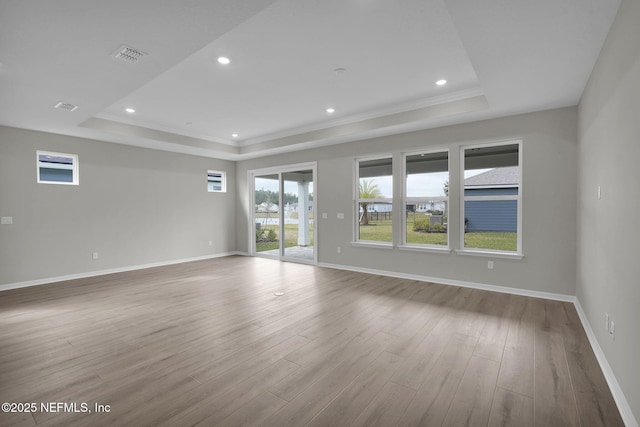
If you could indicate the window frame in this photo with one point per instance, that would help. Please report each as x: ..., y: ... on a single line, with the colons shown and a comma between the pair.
x: 407, y: 200
x: 223, y: 181
x: 75, y: 168
x: 358, y: 200
x: 518, y: 253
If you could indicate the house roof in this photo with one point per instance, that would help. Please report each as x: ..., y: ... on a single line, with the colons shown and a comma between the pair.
x: 508, y: 176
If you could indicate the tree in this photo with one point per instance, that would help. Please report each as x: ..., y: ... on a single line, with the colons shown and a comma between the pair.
x: 445, y: 188
x: 368, y: 190
x: 263, y: 196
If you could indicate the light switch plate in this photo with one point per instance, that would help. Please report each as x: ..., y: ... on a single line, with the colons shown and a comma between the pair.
x: 340, y: 216
x: 7, y: 220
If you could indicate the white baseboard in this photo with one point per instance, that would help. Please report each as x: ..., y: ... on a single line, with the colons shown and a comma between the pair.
x: 623, y: 405
x: 110, y: 271
x: 482, y: 286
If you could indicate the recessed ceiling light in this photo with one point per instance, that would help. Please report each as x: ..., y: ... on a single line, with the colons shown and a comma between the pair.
x: 223, y: 60
x: 441, y: 82
x: 234, y: 135
x: 129, y: 110
x: 331, y: 110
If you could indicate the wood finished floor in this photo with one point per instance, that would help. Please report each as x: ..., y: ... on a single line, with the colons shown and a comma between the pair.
x: 208, y: 343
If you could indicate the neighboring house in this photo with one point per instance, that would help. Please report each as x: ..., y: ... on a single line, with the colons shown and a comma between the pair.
x: 267, y: 207
x: 293, y: 207
x: 492, y: 215
x: 426, y: 207
x: 378, y: 207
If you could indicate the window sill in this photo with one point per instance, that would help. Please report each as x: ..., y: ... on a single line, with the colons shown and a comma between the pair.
x: 380, y: 245
x: 490, y: 254
x: 433, y: 249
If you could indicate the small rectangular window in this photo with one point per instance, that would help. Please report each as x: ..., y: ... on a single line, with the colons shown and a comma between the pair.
x: 492, y: 193
x: 216, y: 182
x: 374, y: 202
x: 426, y: 199
x: 57, y: 168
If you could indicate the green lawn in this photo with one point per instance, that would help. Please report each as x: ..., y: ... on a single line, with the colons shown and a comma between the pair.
x: 290, y: 237
x: 380, y: 231
x: 501, y: 241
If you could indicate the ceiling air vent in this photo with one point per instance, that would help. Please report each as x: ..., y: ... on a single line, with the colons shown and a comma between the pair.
x: 65, y: 106
x: 128, y: 54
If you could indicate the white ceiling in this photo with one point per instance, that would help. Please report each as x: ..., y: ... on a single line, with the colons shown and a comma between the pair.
x: 500, y: 57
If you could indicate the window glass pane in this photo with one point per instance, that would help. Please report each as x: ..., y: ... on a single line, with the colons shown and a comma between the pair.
x: 267, y: 214
x: 57, y: 168
x: 491, y: 224
x: 491, y: 193
x: 427, y: 186
x: 490, y: 157
x: 375, y: 193
x: 428, y: 175
x: 376, y: 181
x: 427, y: 222
x: 216, y: 181
x: 298, y: 213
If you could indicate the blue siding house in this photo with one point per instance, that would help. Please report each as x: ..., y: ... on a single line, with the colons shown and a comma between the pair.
x: 492, y: 215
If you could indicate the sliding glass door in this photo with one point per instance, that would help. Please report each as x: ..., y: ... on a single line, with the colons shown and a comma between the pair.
x: 283, y: 213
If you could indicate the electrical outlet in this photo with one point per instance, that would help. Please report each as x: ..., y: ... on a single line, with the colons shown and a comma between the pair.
x: 340, y: 215
x: 324, y: 215
x: 612, y: 330
x: 210, y: 243
x: 94, y: 255
x: 490, y: 265
x: 7, y: 220
x: 611, y: 326
x: 339, y: 249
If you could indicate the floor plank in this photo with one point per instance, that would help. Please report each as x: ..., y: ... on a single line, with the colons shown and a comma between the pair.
x: 352, y: 401
x: 555, y: 402
x: 314, y: 399
x: 511, y: 409
x: 387, y: 408
x: 471, y: 404
x: 254, y: 412
x: 432, y: 401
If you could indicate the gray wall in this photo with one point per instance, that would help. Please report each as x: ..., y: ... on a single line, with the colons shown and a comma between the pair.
x: 609, y: 229
x: 549, y: 202
x: 133, y: 206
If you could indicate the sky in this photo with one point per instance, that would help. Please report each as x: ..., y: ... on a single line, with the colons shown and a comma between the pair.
x: 272, y: 184
x: 423, y: 184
